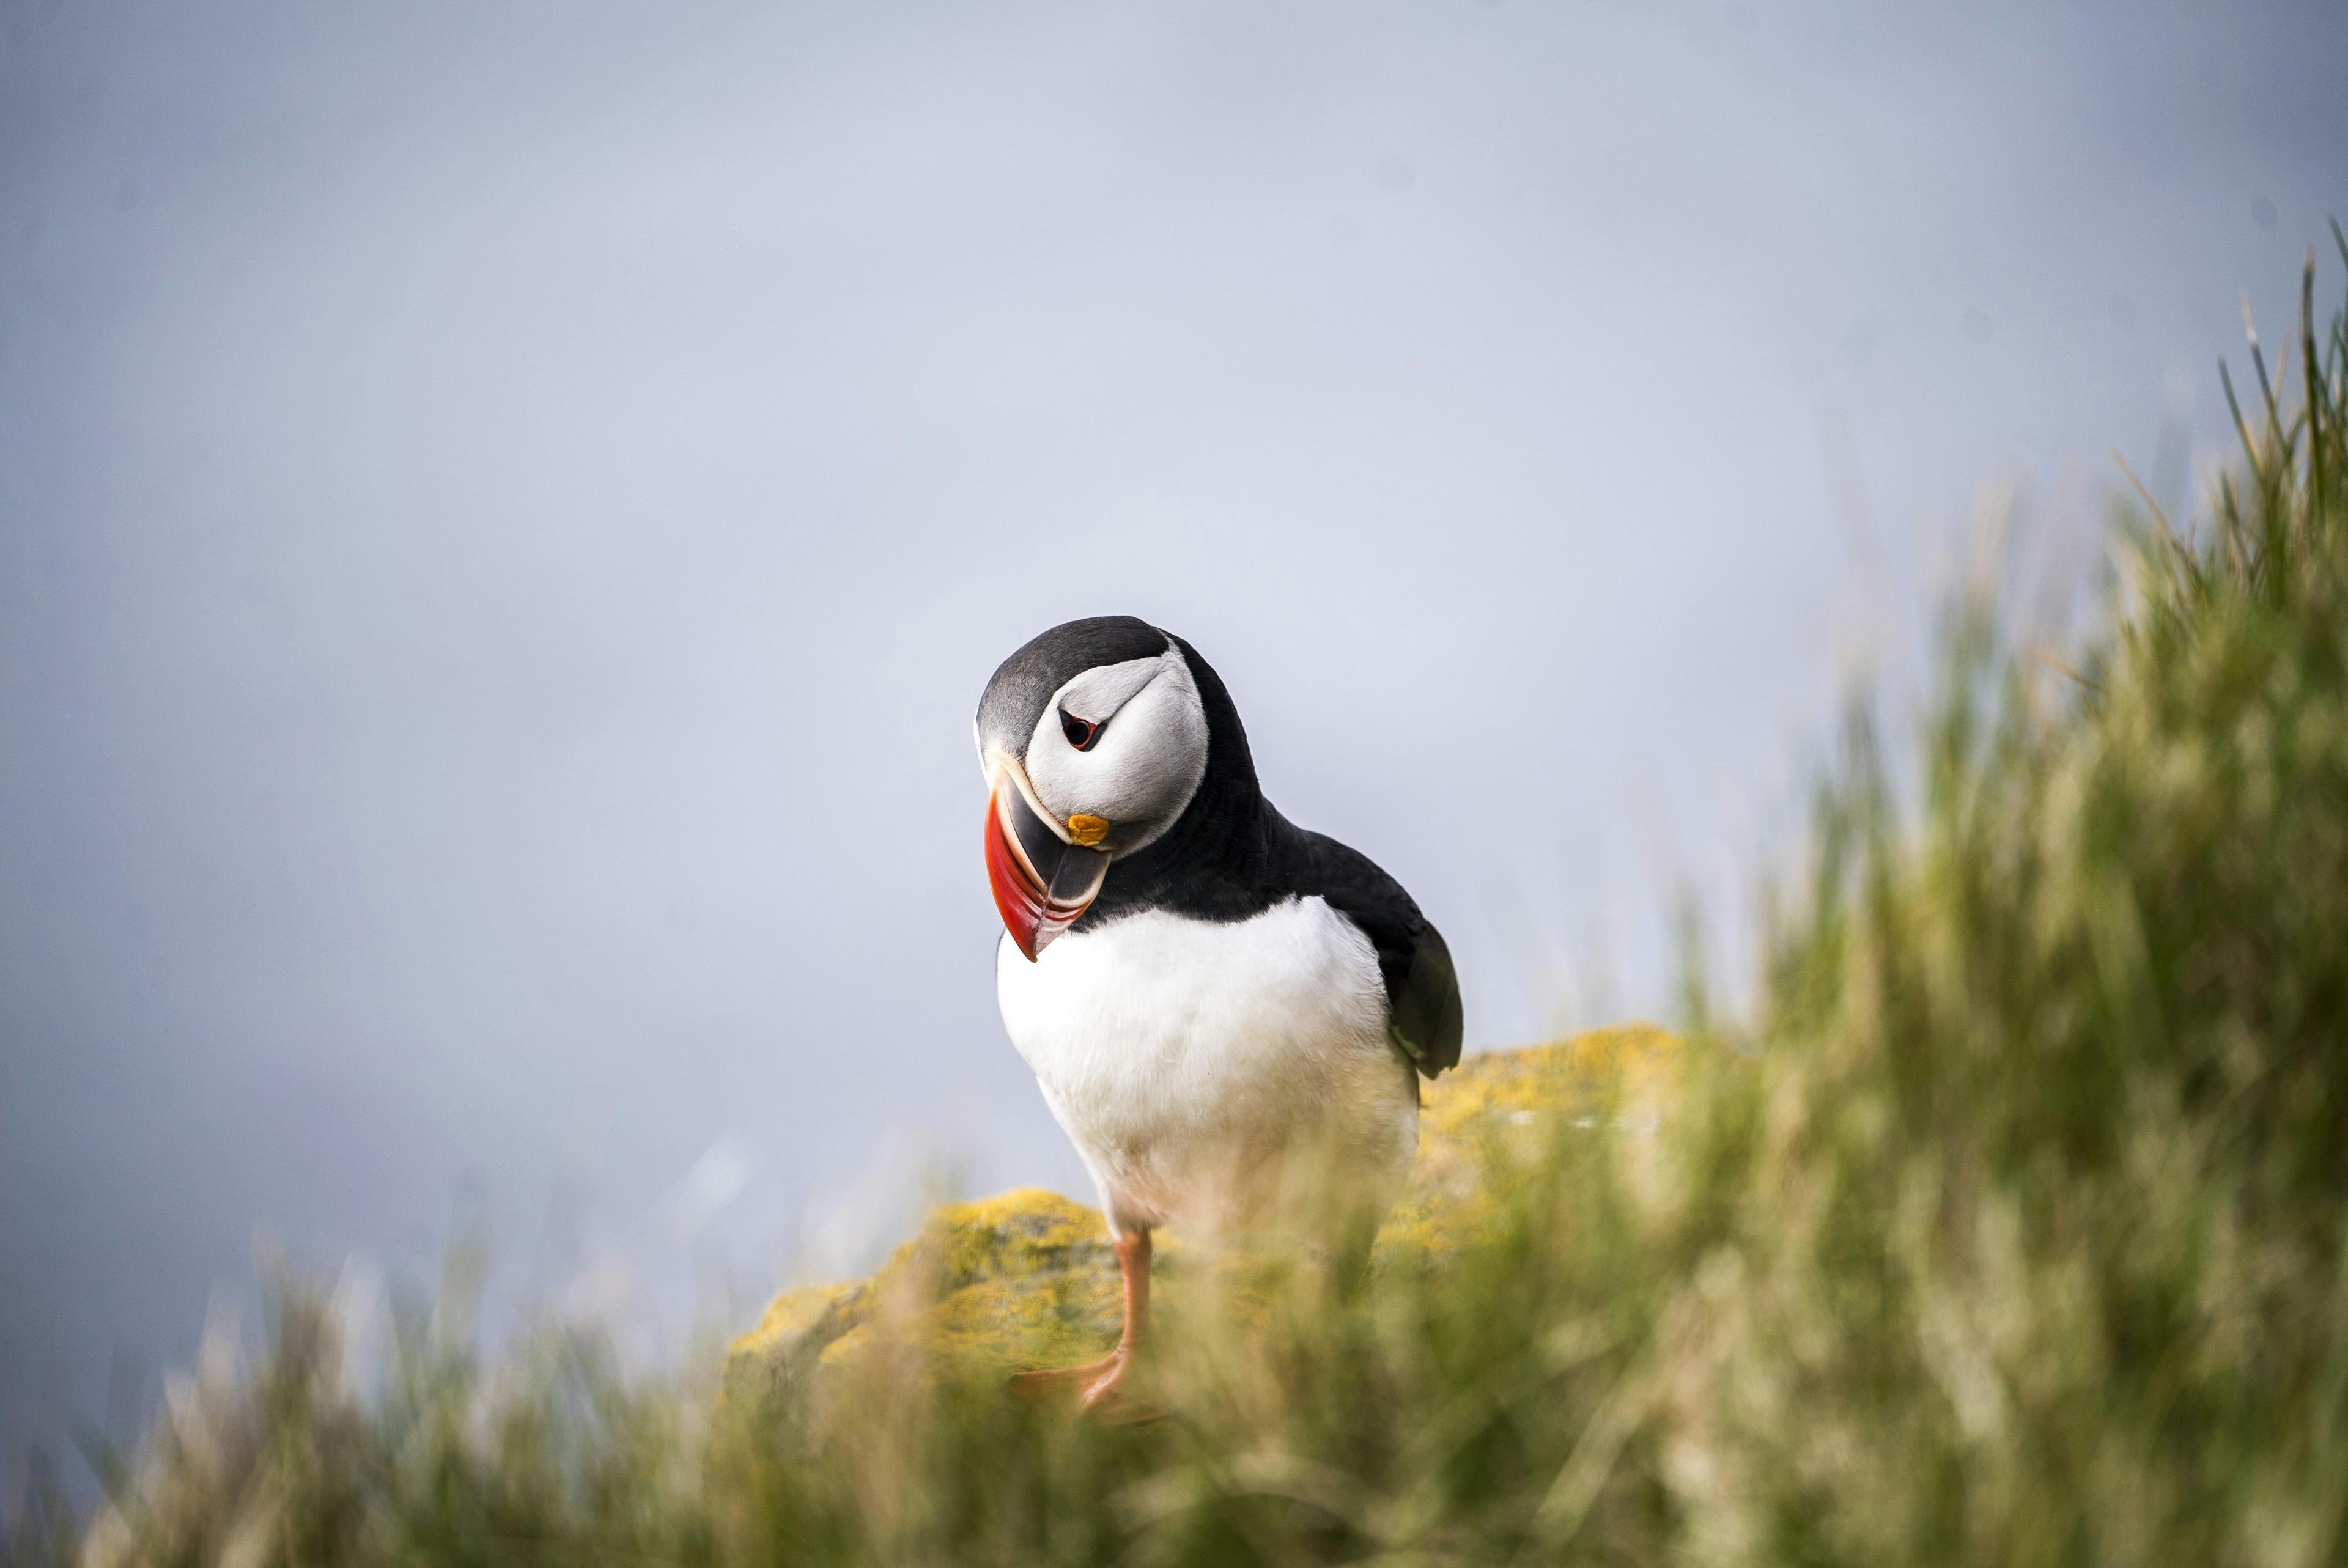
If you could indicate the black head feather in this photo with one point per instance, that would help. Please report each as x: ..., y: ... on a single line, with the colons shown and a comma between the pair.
x: 1022, y: 684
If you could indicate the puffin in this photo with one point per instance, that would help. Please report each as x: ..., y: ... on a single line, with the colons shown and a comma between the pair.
x: 1212, y: 998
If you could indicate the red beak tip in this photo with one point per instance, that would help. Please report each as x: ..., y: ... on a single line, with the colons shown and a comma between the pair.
x: 1014, y: 899
x: 1029, y: 913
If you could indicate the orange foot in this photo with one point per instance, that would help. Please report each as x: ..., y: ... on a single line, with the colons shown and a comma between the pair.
x: 1099, y: 1386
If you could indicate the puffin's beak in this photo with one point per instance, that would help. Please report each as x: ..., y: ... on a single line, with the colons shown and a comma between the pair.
x: 1041, y: 881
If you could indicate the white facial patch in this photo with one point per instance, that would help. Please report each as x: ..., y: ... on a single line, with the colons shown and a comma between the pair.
x: 1100, y: 693
x: 1148, y: 759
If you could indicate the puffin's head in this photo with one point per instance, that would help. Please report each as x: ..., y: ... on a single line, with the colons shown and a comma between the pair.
x: 1094, y: 739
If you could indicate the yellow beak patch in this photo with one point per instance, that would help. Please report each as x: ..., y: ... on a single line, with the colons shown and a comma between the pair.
x: 1088, y: 830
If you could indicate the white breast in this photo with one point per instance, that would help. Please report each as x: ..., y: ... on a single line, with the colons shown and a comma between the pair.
x: 1195, y: 1065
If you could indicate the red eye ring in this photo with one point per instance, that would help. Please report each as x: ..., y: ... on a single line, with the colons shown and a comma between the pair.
x: 1082, y: 733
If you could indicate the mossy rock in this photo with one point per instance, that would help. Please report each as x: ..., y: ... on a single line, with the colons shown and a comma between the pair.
x: 1027, y: 1279
x: 1505, y: 1105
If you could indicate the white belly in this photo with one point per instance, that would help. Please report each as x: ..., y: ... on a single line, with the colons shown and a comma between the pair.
x: 1195, y: 1066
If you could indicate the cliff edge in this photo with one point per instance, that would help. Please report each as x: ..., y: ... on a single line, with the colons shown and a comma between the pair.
x: 1027, y: 1278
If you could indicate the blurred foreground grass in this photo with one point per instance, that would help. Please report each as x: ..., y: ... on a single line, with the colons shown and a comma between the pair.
x: 2007, y: 1227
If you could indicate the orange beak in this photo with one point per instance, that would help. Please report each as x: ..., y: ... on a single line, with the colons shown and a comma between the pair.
x: 1041, y: 881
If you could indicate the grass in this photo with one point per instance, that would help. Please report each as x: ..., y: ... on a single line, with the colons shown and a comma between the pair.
x: 2006, y: 1227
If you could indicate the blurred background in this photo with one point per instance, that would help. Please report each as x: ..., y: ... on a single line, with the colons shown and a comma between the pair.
x: 506, y: 512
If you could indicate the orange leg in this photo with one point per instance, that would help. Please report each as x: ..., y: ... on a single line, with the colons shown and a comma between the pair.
x: 1096, y: 1382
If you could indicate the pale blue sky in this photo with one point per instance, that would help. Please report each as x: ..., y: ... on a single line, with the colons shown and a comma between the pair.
x: 507, y: 510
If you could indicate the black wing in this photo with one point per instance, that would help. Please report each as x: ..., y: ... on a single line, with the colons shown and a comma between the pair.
x: 1422, y: 990
x: 1423, y: 1008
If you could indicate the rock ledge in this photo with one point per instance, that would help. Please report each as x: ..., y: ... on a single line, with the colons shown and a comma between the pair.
x: 1027, y: 1278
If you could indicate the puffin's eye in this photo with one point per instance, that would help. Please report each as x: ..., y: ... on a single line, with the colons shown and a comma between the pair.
x: 1081, y: 732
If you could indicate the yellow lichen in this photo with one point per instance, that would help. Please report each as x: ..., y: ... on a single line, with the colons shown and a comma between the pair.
x: 795, y: 1312
x: 1028, y: 1278
x: 771, y: 1361
x: 1504, y: 1106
